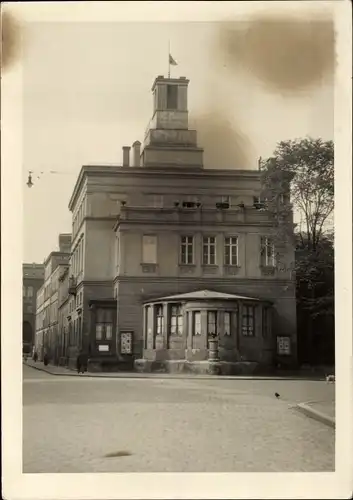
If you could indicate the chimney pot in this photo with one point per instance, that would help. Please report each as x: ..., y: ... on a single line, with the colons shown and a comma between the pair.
x: 126, y: 156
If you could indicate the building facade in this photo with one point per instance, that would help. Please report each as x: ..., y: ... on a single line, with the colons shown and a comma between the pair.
x: 47, y: 329
x: 33, y: 278
x: 161, y: 226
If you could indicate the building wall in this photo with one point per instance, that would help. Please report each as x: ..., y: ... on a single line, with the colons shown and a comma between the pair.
x: 33, y: 278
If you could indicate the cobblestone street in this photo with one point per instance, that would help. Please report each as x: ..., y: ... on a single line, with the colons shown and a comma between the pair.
x: 70, y: 424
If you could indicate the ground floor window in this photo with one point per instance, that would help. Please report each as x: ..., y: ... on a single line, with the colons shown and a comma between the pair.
x: 104, y: 324
x: 248, y: 320
x: 212, y: 323
x: 196, y: 330
x: 160, y: 320
x: 176, y: 320
x: 227, y: 323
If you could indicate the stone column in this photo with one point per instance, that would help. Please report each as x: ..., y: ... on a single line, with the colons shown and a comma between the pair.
x: 185, y: 327
x: 166, y: 323
x: 153, y: 325
x: 144, y: 327
x: 204, y: 328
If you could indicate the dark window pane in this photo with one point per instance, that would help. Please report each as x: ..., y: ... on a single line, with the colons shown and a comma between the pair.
x: 172, y: 97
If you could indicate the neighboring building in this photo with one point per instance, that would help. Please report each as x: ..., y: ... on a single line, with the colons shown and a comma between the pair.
x: 47, y: 338
x: 33, y: 278
x: 161, y: 226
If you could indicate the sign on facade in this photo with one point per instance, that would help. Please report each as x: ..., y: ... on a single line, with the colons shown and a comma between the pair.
x: 103, y: 348
x: 283, y: 345
x: 126, y: 342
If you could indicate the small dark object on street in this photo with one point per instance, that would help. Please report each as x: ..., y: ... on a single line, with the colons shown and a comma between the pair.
x: 35, y: 357
x: 277, y: 395
x: 46, y: 359
x: 118, y: 454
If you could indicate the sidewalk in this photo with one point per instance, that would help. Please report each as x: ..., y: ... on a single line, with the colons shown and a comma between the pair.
x: 322, y: 411
x: 59, y: 370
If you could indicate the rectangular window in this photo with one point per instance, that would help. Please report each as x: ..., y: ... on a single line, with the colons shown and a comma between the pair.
x: 172, y: 97
x: 23, y: 291
x: 211, y: 323
x: 160, y: 320
x: 248, y: 321
x: 104, y: 324
x: 231, y: 251
x: 149, y: 249
x: 176, y: 321
x: 196, y: 323
x: 187, y: 250
x: 267, y: 252
x: 30, y: 291
x: 227, y: 324
x: 209, y: 250
x: 266, y: 322
x: 99, y: 331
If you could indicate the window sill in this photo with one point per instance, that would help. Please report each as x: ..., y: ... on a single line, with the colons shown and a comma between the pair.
x: 187, y: 268
x: 231, y: 269
x: 149, y: 268
x: 268, y: 270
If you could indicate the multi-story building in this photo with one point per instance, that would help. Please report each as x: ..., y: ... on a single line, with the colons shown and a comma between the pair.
x: 166, y: 254
x: 33, y: 278
x: 47, y: 338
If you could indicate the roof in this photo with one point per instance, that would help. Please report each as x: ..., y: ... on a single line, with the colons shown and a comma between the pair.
x: 204, y: 295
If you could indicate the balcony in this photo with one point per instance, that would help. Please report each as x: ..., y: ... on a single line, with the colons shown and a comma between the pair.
x: 72, y: 285
x: 194, y: 215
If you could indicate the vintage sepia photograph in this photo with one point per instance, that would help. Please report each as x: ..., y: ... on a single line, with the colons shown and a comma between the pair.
x: 179, y: 235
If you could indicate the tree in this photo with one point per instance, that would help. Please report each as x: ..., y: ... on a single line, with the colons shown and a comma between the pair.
x: 303, y: 169
x: 299, y: 179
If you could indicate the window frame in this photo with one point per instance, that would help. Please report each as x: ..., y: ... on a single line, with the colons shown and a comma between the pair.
x: 229, y: 315
x: 245, y: 329
x: 215, y: 312
x: 231, y: 245
x: 187, y: 245
x: 159, y: 319
x: 194, y: 329
x: 208, y: 245
x: 176, y: 328
x: 266, y: 259
x: 104, y: 324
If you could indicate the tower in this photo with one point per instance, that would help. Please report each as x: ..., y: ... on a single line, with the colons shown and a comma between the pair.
x: 168, y: 140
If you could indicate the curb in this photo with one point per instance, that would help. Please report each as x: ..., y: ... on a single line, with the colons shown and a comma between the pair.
x: 316, y: 415
x: 70, y: 373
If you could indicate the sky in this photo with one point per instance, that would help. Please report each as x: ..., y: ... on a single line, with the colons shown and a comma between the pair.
x: 87, y: 93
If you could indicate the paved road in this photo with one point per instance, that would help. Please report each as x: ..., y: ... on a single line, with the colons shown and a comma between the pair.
x: 171, y: 425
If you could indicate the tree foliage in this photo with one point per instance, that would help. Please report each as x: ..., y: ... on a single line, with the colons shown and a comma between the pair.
x: 299, y: 178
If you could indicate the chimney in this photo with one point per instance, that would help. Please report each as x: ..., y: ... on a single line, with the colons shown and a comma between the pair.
x: 126, y: 156
x: 136, y: 153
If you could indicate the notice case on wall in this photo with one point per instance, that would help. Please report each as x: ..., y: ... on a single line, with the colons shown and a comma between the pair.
x: 126, y: 342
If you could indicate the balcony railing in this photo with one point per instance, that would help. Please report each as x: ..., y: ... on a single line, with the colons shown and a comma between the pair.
x: 197, y: 215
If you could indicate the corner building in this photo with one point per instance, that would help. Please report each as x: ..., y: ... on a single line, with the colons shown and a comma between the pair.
x: 166, y: 254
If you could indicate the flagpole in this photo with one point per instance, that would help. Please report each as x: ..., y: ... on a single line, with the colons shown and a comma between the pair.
x: 168, y: 58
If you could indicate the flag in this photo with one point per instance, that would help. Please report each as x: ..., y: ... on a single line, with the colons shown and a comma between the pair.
x: 172, y: 61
